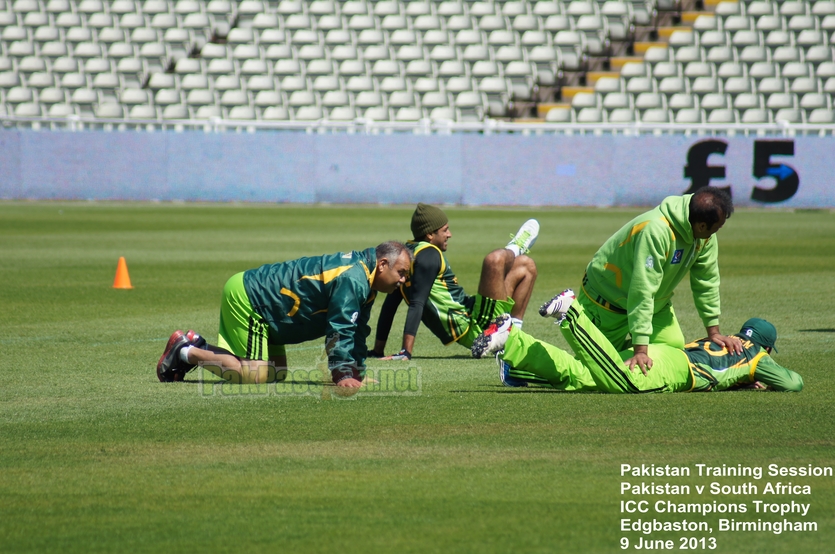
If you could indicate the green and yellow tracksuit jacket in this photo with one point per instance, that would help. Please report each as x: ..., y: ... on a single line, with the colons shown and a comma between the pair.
x: 309, y: 298
x: 715, y: 369
x: 639, y: 267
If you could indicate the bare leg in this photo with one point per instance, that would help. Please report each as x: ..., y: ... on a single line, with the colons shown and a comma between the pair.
x: 497, y: 264
x: 519, y: 283
x: 504, y: 275
x: 236, y: 370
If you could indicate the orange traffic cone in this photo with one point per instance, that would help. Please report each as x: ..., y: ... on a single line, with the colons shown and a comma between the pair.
x: 122, y: 280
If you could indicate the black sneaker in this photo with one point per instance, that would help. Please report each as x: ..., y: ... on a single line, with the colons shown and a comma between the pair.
x: 170, y: 367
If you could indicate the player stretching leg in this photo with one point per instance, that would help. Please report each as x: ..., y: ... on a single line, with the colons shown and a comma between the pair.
x: 701, y: 366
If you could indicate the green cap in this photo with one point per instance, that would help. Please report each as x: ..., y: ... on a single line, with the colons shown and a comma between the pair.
x: 427, y: 219
x: 760, y: 332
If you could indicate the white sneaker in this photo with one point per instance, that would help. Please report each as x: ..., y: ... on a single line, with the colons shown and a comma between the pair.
x: 525, y: 237
x: 558, y: 305
x: 492, y: 339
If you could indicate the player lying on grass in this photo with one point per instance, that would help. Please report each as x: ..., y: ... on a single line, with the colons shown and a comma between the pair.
x: 701, y: 366
x: 265, y: 308
x: 435, y: 297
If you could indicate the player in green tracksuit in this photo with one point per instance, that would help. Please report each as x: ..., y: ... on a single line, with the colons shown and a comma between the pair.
x: 447, y: 311
x: 434, y: 296
x: 699, y: 366
x: 629, y: 283
x: 290, y: 302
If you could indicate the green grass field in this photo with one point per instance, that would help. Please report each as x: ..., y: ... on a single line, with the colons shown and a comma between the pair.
x: 97, y: 456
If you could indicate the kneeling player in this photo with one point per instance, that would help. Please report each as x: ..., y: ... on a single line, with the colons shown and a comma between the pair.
x: 291, y: 302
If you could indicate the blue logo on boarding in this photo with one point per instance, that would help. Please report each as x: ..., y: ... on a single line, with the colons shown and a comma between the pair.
x: 677, y: 256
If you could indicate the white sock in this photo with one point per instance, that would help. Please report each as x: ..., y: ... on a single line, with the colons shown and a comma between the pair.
x: 516, y: 322
x: 184, y: 353
x: 513, y: 248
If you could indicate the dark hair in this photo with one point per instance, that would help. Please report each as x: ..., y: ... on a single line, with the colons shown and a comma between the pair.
x: 391, y: 250
x: 709, y: 204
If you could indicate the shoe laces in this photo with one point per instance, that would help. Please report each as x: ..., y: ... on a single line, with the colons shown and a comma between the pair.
x: 520, y: 240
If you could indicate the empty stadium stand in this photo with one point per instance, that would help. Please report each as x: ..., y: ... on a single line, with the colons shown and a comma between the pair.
x: 559, y: 62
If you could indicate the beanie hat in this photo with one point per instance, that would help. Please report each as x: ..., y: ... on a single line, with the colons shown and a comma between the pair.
x: 760, y: 331
x: 427, y: 219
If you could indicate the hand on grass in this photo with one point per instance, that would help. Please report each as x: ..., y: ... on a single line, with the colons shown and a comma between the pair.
x: 756, y: 385
x: 402, y: 355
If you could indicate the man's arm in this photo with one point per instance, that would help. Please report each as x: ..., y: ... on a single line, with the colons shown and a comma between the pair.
x: 346, y: 358
x: 361, y: 333
x: 426, y: 268
x: 704, y: 283
x: 648, y: 262
x: 777, y: 377
x: 385, y: 321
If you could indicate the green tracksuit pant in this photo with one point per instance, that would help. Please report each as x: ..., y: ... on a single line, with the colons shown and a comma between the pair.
x: 596, y: 365
x: 615, y: 325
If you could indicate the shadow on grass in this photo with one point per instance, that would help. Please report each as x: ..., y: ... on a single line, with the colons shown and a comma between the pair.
x: 224, y: 382
x: 453, y: 357
x: 500, y: 389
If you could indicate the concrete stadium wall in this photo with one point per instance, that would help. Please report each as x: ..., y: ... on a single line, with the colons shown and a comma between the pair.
x: 470, y: 169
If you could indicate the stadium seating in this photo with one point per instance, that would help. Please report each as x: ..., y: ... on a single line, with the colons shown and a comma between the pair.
x: 606, y: 61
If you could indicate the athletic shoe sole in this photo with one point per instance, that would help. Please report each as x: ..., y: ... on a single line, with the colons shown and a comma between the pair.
x: 558, y: 305
x: 484, y: 343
